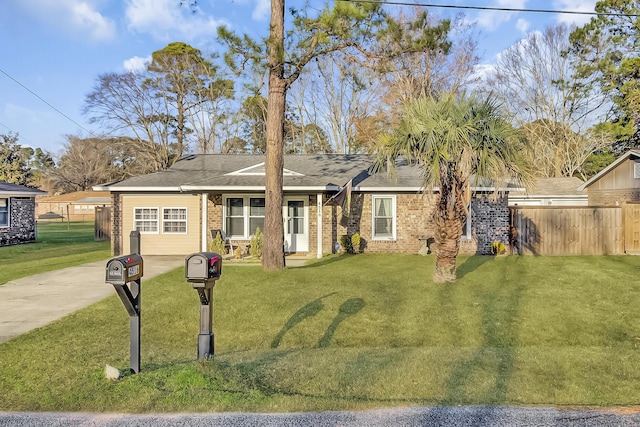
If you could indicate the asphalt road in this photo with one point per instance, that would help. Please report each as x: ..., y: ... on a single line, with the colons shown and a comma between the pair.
x: 399, y: 417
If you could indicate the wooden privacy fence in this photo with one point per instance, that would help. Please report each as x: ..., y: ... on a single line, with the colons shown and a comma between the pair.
x: 583, y: 230
x: 102, y: 224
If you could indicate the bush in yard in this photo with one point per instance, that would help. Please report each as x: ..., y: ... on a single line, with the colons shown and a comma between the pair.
x: 218, y: 245
x: 355, y: 243
x: 498, y: 248
x: 257, y: 241
x: 345, y: 243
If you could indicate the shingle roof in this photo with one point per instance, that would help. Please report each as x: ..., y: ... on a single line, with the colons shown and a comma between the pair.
x: 72, y: 197
x: 556, y: 187
x: 18, y: 190
x: 245, y: 172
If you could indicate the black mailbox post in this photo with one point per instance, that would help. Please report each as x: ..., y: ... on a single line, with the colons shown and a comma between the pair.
x: 123, y: 271
x: 202, y: 269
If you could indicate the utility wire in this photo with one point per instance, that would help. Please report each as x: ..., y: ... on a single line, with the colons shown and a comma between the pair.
x: 498, y: 9
x: 17, y: 133
x: 51, y: 106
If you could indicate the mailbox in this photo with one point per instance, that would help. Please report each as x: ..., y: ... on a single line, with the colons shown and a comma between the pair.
x: 203, y: 267
x: 123, y: 270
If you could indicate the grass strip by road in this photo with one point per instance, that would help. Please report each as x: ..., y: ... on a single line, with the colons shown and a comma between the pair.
x: 58, y: 245
x: 350, y: 332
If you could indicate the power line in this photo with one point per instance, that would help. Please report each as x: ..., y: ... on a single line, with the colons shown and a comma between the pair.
x: 495, y: 9
x: 50, y: 106
x: 17, y: 133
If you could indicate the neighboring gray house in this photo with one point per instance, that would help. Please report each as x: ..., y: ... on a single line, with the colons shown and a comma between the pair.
x: 17, y: 213
x: 551, y: 192
x: 175, y: 210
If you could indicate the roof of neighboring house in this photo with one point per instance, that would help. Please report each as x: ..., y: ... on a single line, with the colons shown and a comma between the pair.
x: 93, y: 201
x: 631, y: 154
x: 9, y: 189
x: 72, y: 197
x: 309, y: 172
x: 555, y: 187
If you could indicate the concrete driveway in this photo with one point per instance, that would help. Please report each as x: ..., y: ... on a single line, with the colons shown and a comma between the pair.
x: 34, y: 301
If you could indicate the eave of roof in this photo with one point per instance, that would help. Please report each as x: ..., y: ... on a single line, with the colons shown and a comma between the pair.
x: 606, y: 170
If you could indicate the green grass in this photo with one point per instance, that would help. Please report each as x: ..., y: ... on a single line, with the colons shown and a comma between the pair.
x: 58, y: 245
x: 350, y: 332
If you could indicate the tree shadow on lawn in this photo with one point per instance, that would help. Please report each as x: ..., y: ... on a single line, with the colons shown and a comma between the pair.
x: 493, y: 360
x: 471, y: 264
x: 308, y: 310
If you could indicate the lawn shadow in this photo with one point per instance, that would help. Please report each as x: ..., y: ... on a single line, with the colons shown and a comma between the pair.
x: 471, y: 264
x: 326, y: 261
x: 348, y: 308
x: 308, y: 310
x: 494, y: 357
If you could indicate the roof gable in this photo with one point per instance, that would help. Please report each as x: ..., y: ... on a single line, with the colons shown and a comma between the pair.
x: 629, y: 154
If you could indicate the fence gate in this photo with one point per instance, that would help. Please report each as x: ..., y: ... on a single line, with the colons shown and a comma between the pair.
x: 102, y: 225
x: 632, y: 228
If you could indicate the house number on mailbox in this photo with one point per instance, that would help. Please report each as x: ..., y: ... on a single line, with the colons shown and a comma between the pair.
x: 134, y: 270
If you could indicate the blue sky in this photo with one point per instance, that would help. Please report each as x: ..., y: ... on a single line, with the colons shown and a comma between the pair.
x: 56, y: 49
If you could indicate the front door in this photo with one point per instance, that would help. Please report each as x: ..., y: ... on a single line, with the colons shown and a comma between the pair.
x: 296, y: 224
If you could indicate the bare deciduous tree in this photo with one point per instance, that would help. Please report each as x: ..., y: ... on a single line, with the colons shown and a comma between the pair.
x: 537, y: 82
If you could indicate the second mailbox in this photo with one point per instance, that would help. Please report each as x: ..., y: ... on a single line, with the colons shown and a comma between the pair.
x: 203, y: 267
x: 124, y: 269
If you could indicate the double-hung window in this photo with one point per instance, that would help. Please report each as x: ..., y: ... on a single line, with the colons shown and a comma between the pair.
x: 174, y: 220
x: 243, y: 214
x: 4, y: 212
x: 384, y: 217
x: 145, y: 220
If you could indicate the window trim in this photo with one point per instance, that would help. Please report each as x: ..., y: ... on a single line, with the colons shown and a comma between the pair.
x: 135, y: 221
x: 393, y: 236
x: 246, y: 210
x: 186, y: 220
x: 8, y: 209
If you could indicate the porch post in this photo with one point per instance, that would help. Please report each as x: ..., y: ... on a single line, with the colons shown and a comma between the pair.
x: 204, y: 216
x: 319, y: 225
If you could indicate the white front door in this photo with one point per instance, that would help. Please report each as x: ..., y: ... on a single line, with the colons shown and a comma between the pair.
x: 296, y: 224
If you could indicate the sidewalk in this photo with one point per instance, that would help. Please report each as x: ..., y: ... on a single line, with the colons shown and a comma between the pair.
x: 34, y: 301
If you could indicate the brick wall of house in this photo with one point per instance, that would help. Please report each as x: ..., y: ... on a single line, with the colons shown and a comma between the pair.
x: 214, y: 220
x: 612, y: 197
x: 490, y: 222
x: 22, y: 222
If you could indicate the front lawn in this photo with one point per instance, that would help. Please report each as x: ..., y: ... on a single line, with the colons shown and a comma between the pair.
x: 350, y: 332
x: 58, y: 245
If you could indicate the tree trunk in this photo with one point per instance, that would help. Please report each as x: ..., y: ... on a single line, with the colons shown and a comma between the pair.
x: 273, y: 251
x: 448, y: 217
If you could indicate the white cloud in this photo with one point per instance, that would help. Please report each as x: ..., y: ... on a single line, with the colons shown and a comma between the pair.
x: 136, y: 63
x: 574, y: 5
x: 262, y: 10
x: 491, y: 20
x: 166, y: 19
x: 523, y: 25
x: 74, y: 17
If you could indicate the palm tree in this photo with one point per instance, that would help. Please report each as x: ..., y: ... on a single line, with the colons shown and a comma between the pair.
x: 454, y: 140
